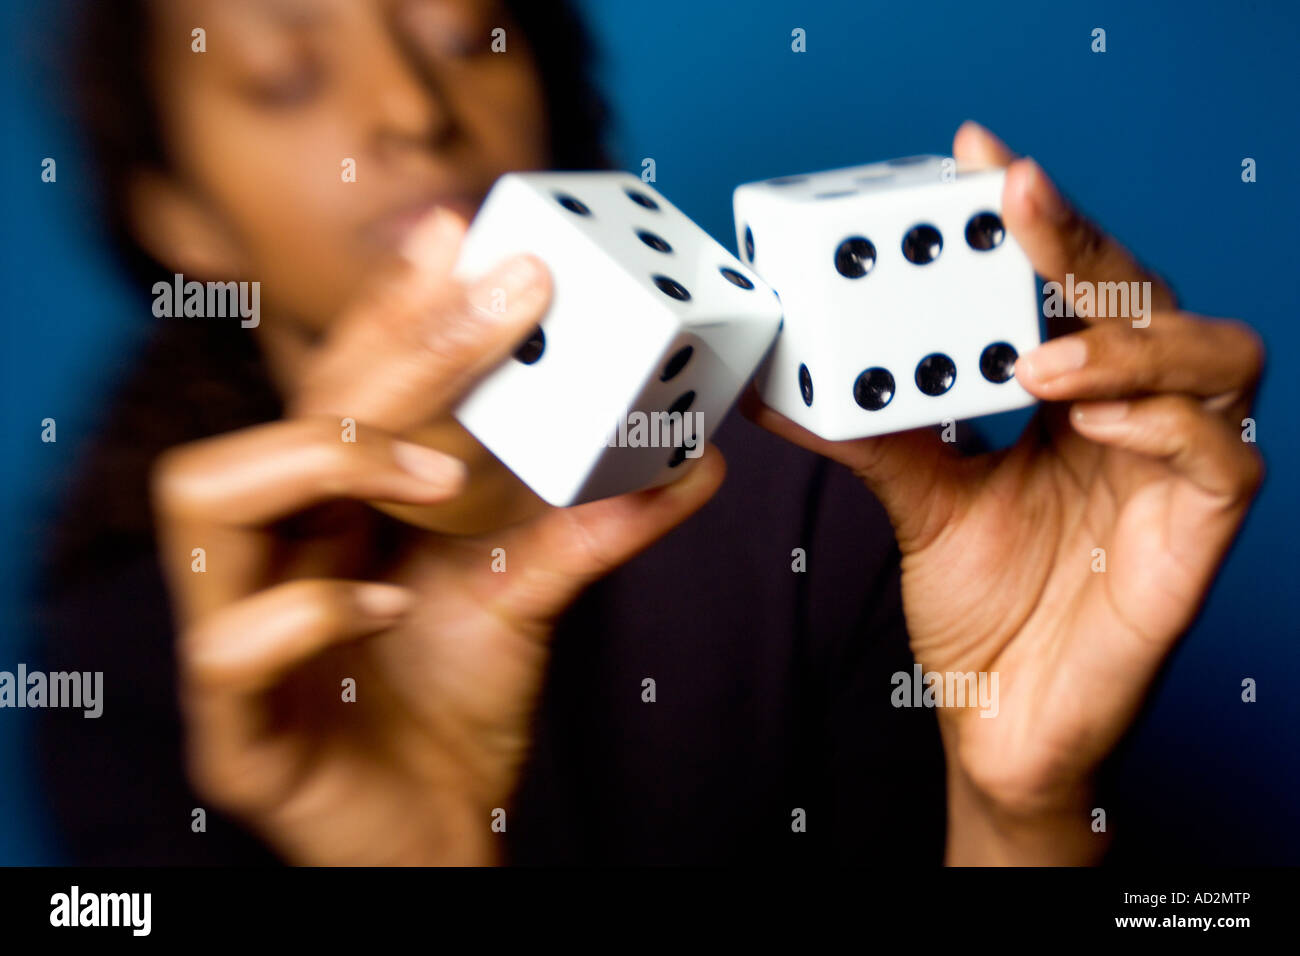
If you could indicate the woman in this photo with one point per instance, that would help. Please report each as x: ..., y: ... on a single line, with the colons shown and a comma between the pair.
x: 357, y: 684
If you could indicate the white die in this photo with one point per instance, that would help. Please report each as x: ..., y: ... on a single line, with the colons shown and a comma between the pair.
x: 620, y: 344
x: 851, y: 343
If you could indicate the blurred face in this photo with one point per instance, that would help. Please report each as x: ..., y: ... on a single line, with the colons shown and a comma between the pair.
x: 258, y: 130
x: 260, y: 125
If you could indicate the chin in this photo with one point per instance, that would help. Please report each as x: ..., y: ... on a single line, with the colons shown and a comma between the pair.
x: 493, y: 497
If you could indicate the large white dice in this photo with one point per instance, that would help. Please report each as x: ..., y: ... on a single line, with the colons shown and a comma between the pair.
x: 906, y: 301
x: 653, y: 330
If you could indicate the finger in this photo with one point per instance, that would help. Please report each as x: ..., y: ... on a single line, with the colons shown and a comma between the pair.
x: 430, y: 251
x: 265, y: 473
x: 974, y: 145
x: 216, y: 495
x: 555, y: 557
x: 411, y: 352
x: 1214, y: 359
x: 407, y: 285
x: 1196, y: 443
x: 227, y: 661
x: 249, y: 645
x: 416, y: 364
x: 914, y: 474
x: 1059, y: 241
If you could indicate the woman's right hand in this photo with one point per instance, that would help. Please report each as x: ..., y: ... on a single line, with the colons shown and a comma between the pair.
x: 358, y: 691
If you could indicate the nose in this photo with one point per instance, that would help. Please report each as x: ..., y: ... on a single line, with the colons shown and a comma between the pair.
x: 407, y: 102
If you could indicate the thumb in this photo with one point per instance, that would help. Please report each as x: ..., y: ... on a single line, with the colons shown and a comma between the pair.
x: 976, y: 145
x: 553, y: 558
x: 915, y: 474
x: 422, y: 338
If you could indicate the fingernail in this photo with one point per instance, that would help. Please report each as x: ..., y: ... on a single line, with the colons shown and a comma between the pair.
x: 429, y: 464
x: 1100, y: 413
x: 427, y: 238
x: 383, y: 600
x: 495, y: 293
x: 1055, y: 358
x: 1046, y: 198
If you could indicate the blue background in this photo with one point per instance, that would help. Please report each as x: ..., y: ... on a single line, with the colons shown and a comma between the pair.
x: 1147, y: 137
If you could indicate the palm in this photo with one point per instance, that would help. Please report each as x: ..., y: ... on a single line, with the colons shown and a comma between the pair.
x: 464, y: 674
x: 1066, y: 568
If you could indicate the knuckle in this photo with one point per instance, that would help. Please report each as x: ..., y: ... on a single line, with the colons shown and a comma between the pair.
x: 329, y: 455
x: 1252, y: 473
x: 1173, y: 420
x: 458, y: 337
x: 397, y: 301
x: 321, y: 602
x: 1112, y: 338
x: 331, y: 463
x: 1250, y: 345
x: 1147, y: 351
x: 172, y: 481
x: 199, y: 666
x: 224, y: 782
x: 395, y: 318
x: 1119, y: 346
x: 1086, y: 240
x: 206, y: 776
x: 1183, y: 414
x: 587, y: 547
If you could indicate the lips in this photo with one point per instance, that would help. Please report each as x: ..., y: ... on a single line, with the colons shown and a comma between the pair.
x: 389, y: 229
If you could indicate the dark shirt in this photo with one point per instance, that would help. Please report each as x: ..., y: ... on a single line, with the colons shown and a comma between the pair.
x: 772, y: 693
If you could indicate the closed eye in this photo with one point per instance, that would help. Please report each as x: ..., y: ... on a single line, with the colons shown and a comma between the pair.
x: 297, y: 87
